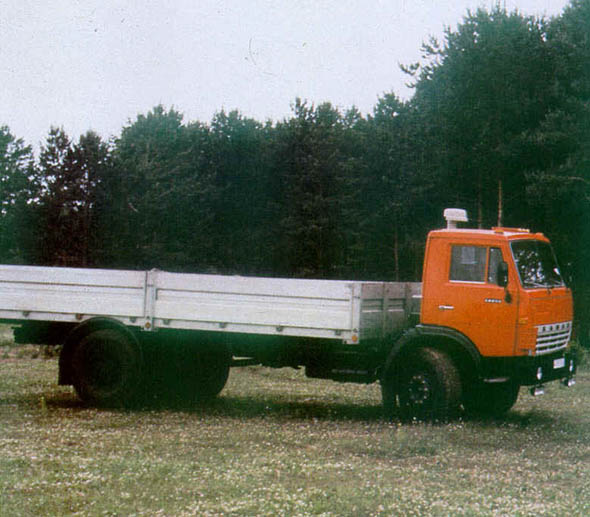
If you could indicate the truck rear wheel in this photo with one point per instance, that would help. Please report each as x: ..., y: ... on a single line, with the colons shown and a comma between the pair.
x: 490, y: 399
x: 106, y: 368
x: 201, y: 371
x: 428, y: 387
x: 212, y: 372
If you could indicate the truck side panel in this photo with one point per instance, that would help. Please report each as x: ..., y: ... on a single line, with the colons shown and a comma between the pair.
x: 387, y: 307
x: 333, y: 309
x: 55, y: 294
x: 253, y: 305
x: 350, y: 312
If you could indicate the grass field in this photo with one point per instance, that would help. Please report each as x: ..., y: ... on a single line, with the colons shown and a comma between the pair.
x: 277, y: 443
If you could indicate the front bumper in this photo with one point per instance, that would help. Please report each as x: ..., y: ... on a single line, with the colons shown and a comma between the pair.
x: 531, y: 371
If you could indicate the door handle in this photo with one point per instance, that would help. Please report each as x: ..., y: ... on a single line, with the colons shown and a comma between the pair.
x: 446, y: 308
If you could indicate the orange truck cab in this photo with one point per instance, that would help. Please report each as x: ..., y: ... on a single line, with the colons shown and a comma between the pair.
x: 495, y: 314
x: 502, y: 291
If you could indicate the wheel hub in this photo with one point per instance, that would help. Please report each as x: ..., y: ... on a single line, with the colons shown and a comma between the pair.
x: 419, y: 390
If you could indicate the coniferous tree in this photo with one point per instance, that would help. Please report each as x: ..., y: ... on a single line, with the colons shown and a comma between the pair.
x: 309, y: 166
x: 70, y: 175
x: 18, y: 193
x: 239, y: 166
x: 147, y: 202
x: 490, y: 83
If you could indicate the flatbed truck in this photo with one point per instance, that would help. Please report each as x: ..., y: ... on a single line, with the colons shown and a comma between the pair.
x: 491, y: 314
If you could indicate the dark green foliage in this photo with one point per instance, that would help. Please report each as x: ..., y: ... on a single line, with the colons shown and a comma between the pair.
x: 17, y: 188
x: 491, y: 82
x: 150, y: 191
x: 313, y: 178
x: 70, y: 176
x: 399, y: 197
x: 241, y: 196
x: 189, y: 197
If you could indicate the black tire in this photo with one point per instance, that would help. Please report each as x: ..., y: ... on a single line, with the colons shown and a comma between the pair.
x: 106, y: 368
x: 428, y: 387
x: 389, y: 395
x: 202, y: 371
x: 490, y: 399
x: 213, y: 371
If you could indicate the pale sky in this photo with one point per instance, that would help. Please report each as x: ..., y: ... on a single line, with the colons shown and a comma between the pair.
x: 97, y: 64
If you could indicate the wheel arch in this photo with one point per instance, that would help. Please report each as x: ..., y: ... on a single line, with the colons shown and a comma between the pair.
x: 459, y: 347
x: 65, y: 376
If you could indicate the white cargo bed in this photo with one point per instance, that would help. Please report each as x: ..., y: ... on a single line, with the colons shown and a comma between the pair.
x: 333, y: 309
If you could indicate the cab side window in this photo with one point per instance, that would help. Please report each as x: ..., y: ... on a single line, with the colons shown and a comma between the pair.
x: 468, y: 264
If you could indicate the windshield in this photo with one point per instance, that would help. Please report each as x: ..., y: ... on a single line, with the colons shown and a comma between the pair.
x: 536, y: 264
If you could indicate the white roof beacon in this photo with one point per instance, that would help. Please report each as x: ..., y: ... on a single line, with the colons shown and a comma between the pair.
x: 454, y: 216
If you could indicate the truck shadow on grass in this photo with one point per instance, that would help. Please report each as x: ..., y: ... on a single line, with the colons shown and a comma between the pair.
x: 232, y: 406
x: 292, y: 408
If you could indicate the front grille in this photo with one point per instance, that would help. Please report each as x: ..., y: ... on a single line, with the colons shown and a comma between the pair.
x: 553, y: 336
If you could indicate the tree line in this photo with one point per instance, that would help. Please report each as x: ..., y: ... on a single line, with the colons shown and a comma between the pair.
x: 499, y: 124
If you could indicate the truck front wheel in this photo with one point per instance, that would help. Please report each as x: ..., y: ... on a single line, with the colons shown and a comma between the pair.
x: 106, y: 368
x: 427, y: 385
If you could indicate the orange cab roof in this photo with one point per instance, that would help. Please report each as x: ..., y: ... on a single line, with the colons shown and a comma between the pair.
x: 496, y: 233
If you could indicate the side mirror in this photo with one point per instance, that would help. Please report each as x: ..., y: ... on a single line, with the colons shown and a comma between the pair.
x: 502, y: 274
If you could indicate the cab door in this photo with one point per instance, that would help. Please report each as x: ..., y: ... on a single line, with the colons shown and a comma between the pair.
x: 472, y: 302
